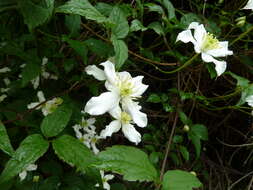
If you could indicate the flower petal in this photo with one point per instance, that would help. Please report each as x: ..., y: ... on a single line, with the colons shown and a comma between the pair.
x: 131, y: 134
x: 22, y: 175
x: 108, y: 177
x: 94, y: 148
x: 220, y: 66
x: 31, y: 167
x: 91, y: 121
x: 109, y: 70
x: 249, y: 100
x: 5, y: 70
x: 77, y: 131
x: 35, y: 82
x: 33, y: 105
x: 220, y: 52
x: 185, y: 36
x: 249, y: 5
x: 133, y: 109
x: 95, y: 72
x: 139, y: 88
x: 113, y: 127
x: 116, y: 112
x: 101, y: 104
x: 41, y: 96
x: 106, y: 186
x: 199, y: 33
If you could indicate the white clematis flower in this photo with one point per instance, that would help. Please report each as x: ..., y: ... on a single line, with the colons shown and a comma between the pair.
x: 124, y: 121
x: 23, y: 174
x: 206, y: 44
x: 120, y: 86
x: 249, y: 5
x: 105, y: 179
x: 86, y: 133
x: 48, y: 107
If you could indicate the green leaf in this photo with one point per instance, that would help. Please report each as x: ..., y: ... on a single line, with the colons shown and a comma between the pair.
x: 121, y: 52
x: 200, y: 131
x: 131, y: 162
x: 196, y: 142
x: 36, y: 14
x: 5, y: 144
x: 55, y: 122
x: 241, y: 81
x: 169, y: 6
x: 73, y: 23
x: 104, y: 8
x: 29, y: 72
x: 180, y: 180
x: 188, y: 18
x: 183, y: 117
x: 154, y: 98
x: 99, y: 47
x: 30, y: 149
x: 73, y: 152
x: 157, y: 27
x: 79, y: 47
x: 120, y: 26
x: 154, y: 8
x: 82, y: 8
x: 184, y: 152
x: 136, y: 25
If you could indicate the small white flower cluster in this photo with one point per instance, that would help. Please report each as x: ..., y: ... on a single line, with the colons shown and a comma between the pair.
x: 23, y: 174
x: 120, y: 101
x: 206, y: 44
x: 48, y: 107
x: 6, y: 81
x: 86, y: 133
x: 44, y: 74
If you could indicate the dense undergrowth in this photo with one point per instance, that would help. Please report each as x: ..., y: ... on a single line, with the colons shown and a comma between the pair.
x: 190, y: 128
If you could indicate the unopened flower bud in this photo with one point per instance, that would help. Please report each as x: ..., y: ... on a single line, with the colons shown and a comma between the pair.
x: 240, y: 21
x: 36, y: 178
x: 193, y: 173
x: 186, y: 128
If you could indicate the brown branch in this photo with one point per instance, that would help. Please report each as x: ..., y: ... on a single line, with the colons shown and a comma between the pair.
x: 129, y: 51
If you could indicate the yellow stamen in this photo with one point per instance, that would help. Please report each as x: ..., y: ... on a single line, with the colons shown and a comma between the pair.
x: 125, y: 118
x: 210, y: 42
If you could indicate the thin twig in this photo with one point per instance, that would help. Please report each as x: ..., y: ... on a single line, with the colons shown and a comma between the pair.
x: 129, y: 51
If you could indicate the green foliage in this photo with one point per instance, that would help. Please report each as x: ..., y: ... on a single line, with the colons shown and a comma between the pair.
x: 82, y: 8
x: 36, y: 14
x: 5, y: 144
x: 73, y: 152
x: 121, y: 51
x: 120, y: 26
x: 55, y: 122
x: 187, y: 105
x: 180, y: 180
x: 131, y: 162
x: 29, y: 151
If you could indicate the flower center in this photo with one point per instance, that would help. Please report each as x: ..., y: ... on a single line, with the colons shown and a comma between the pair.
x: 126, y: 88
x: 84, y: 123
x: 210, y: 42
x: 52, y: 105
x: 125, y: 118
